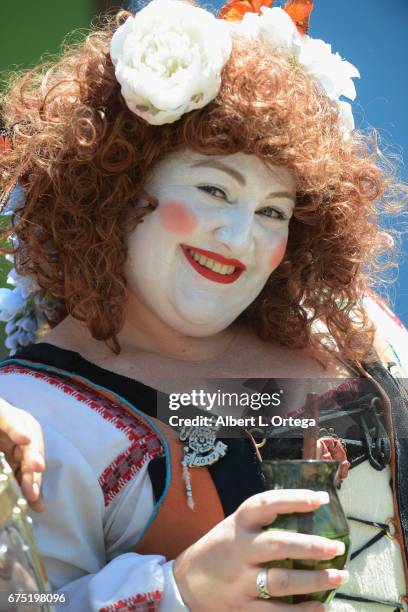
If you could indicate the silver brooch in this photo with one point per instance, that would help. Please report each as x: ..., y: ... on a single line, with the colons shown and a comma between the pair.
x: 202, y: 449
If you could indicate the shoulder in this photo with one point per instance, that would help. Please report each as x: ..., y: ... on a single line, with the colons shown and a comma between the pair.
x: 391, y: 336
x: 82, y: 423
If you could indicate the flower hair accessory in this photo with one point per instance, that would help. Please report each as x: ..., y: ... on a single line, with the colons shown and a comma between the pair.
x: 25, y: 310
x: 286, y: 30
x: 24, y: 307
x: 168, y: 59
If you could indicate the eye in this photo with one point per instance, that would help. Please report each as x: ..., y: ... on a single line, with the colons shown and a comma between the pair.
x: 214, y: 191
x: 271, y: 212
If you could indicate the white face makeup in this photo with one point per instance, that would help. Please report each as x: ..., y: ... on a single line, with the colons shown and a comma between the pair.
x: 219, y: 231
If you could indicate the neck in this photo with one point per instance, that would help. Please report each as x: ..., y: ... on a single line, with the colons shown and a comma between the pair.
x: 144, y: 331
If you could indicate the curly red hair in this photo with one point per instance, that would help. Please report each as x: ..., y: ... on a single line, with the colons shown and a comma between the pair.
x: 84, y: 159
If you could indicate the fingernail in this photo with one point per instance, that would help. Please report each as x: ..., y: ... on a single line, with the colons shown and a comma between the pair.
x: 339, y: 548
x: 38, y: 457
x: 322, y: 607
x: 337, y: 577
x: 36, y: 489
x: 323, y: 497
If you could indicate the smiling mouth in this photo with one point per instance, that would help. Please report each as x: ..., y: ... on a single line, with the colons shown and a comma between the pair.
x: 213, y: 266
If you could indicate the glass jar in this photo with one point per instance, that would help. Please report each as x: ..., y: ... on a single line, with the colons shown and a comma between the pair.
x: 329, y: 520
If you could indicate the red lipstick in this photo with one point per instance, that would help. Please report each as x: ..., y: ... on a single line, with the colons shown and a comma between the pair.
x: 210, y: 274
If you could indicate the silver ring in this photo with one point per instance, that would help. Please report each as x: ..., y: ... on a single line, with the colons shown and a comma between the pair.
x: 262, y: 584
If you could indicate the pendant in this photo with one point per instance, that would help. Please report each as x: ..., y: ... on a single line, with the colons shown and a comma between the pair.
x: 202, y: 446
x: 202, y: 449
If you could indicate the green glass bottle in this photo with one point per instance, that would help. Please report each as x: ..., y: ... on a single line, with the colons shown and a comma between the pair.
x: 329, y: 520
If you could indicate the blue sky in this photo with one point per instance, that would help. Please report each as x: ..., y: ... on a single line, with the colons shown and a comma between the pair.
x: 373, y: 35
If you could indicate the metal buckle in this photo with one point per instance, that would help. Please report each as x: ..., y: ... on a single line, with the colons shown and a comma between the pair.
x: 379, y: 448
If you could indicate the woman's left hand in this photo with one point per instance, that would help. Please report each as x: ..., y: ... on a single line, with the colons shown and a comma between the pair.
x: 332, y: 449
x: 22, y: 442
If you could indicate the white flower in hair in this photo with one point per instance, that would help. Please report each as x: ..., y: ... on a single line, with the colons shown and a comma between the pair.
x: 16, y: 199
x: 25, y: 310
x: 168, y: 59
x: 26, y: 284
x: 273, y: 27
x: 12, y: 301
x: 334, y: 75
x: 346, y: 115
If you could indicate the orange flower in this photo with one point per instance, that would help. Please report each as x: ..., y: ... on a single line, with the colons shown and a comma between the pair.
x: 298, y: 10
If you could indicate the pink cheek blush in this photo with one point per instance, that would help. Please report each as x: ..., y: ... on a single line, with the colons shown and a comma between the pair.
x: 177, y: 218
x: 277, y: 255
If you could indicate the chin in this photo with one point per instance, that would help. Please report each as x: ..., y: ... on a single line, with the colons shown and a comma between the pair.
x: 197, y: 327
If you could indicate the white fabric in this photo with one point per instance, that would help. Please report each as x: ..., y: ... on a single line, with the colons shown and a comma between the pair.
x: 83, y: 543
x: 392, y: 333
x: 378, y: 571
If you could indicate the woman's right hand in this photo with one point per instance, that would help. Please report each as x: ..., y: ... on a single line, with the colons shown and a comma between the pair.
x: 22, y: 442
x: 220, y: 570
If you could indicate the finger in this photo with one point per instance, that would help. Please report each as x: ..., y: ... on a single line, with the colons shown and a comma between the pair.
x: 259, y: 605
x: 17, y: 434
x: 31, y: 482
x: 275, y: 544
x: 14, y: 457
x: 17, y: 454
x: 32, y: 454
x: 32, y: 426
x: 320, y: 448
x: 31, y: 488
x: 263, y: 508
x: 7, y: 446
x: 37, y: 506
x: 11, y: 423
x: 31, y: 460
x: 283, y: 582
x: 28, y: 459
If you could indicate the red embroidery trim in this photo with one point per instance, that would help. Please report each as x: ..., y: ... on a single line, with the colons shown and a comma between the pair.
x: 145, y: 444
x: 142, y: 602
x: 121, y: 470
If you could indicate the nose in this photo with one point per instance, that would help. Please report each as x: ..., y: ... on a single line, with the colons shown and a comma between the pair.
x: 236, y: 232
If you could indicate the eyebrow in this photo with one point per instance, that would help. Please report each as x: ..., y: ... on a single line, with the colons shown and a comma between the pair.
x: 282, y: 194
x: 213, y: 163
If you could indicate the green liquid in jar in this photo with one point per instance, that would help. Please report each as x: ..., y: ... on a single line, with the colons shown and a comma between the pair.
x: 327, y: 521
x: 338, y: 562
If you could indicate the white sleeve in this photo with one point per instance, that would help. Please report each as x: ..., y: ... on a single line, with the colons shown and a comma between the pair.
x: 117, y: 585
x: 83, y: 540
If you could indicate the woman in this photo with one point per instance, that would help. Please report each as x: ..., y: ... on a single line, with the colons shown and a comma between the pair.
x: 165, y: 162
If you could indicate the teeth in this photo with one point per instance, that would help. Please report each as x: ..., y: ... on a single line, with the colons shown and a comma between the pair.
x: 216, y: 266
